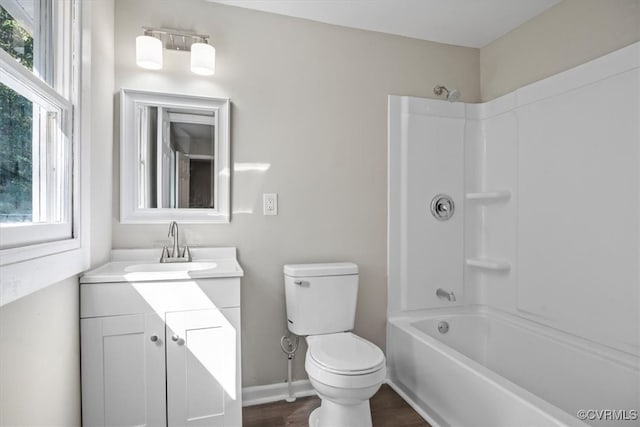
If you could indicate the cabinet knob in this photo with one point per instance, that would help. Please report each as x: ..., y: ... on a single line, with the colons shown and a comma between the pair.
x: 175, y: 338
x: 154, y: 338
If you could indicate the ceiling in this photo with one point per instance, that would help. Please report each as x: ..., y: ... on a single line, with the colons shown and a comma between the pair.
x: 471, y: 23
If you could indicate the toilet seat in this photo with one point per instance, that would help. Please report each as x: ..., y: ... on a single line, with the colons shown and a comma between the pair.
x: 342, y: 381
x: 345, y: 353
x: 344, y: 360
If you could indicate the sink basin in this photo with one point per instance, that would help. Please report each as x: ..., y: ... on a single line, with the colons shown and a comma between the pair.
x: 178, y: 266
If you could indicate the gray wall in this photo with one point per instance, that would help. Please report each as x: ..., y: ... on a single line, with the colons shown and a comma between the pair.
x: 310, y: 100
x: 569, y: 34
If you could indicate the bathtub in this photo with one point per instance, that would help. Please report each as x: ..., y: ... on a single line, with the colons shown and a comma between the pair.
x: 497, y: 370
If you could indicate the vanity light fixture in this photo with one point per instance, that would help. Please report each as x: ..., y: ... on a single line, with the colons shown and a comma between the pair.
x: 203, y: 59
x: 149, y: 52
x: 149, y: 49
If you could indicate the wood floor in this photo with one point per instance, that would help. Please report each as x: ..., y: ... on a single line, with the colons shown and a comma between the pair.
x: 387, y: 410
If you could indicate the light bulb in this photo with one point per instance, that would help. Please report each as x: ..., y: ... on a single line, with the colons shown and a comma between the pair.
x: 149, y: 52
x: 203, y: 59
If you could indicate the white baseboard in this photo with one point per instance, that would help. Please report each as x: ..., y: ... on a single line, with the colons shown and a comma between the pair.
x: 257, y: 395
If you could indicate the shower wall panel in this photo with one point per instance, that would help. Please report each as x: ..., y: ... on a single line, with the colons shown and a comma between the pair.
x: 426, y: 158
x: 496, y: 159
x: 568, y: 149
x: 546, y: 182
x: 578, y: 215
x: 474, y: 149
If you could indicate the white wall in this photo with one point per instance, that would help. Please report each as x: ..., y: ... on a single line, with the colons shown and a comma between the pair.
x: 309, y: 100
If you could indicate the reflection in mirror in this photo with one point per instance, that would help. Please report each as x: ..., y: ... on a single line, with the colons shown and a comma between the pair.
x: 174, y: 158
x: 177, y: 153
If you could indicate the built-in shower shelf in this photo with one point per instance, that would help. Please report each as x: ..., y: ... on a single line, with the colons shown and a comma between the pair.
x: 493, y: 264
x: 490, y: 196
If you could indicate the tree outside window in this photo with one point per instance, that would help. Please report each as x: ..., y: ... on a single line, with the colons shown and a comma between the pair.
x: 16, y: 129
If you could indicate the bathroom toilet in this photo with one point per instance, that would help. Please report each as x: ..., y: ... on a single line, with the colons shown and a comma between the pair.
x: 343, y: 368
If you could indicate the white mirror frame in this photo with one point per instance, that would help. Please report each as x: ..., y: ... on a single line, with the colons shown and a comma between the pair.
x: 130, y: 213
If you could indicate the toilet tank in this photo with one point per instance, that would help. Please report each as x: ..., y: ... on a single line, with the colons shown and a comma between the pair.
x: 321, y: 298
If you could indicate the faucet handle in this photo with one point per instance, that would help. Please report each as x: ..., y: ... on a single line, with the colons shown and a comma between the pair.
x: 186, y: 253
x: 165, y: 254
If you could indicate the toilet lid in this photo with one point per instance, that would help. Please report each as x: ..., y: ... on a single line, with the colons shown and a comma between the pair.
x: 345, y: 352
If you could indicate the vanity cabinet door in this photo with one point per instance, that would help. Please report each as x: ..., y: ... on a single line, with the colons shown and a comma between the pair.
x: 203, y: 368
x: 123, y: 377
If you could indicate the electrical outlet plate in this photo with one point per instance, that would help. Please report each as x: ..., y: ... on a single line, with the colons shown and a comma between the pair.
x: 270, y: 204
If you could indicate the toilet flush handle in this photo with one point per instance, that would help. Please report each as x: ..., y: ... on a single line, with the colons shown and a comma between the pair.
x: 303, y: 283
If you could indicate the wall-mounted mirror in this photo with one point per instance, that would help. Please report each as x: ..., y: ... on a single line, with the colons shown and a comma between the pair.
x: 174, y: 158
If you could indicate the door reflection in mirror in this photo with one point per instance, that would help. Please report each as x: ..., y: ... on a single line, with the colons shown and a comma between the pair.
x: 177, y: 149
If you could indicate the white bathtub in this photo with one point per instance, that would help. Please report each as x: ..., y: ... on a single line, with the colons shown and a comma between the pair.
x: 496, y: 370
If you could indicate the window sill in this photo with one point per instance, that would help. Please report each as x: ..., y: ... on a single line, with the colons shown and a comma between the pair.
x: 22, y: 278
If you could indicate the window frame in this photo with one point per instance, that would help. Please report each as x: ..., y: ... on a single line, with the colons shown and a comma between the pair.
x: 28, y: 267
x: 28, y: 85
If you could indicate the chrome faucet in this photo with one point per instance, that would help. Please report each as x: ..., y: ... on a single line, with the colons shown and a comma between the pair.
x: 175, y: 255
x: 173, y: 232
x: 442, y: 294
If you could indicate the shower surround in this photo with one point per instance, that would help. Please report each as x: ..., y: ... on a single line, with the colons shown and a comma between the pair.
x: 543, y: 249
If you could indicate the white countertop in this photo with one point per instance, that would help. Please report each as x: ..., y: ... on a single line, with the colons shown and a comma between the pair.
x: 226, y: 265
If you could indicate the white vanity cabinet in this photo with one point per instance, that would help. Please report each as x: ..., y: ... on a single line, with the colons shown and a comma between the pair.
x: 123, y: 379
x: 201, y: 376
x: 160, y: 352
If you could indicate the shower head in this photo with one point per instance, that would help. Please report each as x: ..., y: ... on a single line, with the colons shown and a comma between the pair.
x: 452, y: 94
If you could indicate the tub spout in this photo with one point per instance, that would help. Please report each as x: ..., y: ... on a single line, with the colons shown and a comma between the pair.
x: 442, y: 294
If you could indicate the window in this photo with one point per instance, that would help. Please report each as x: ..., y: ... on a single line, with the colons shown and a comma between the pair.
x: 38, y: 81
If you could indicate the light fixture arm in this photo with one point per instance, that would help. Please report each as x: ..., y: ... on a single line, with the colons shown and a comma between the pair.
x: 176, y: 39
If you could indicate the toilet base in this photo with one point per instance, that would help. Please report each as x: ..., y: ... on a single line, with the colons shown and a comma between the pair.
x: 331, y: 414
x: 313, y: 418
